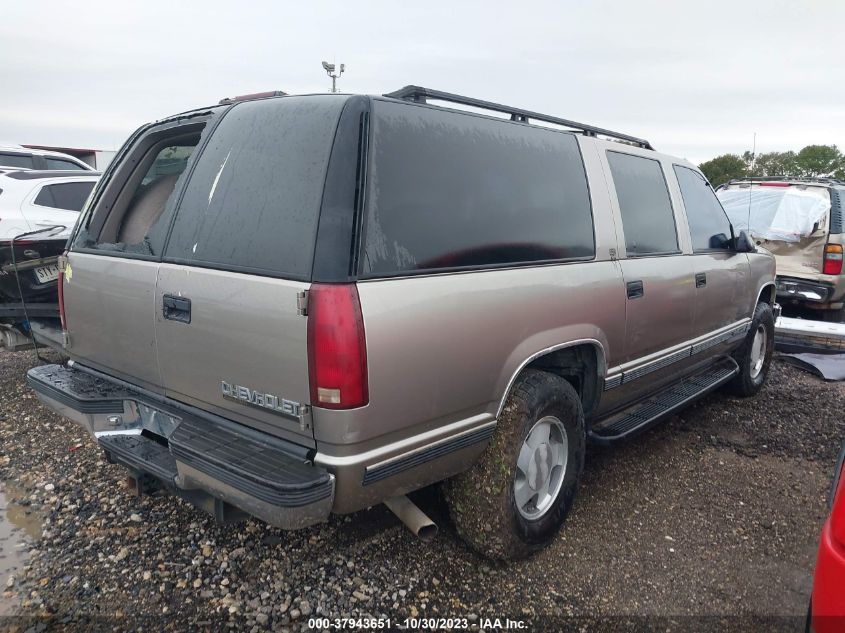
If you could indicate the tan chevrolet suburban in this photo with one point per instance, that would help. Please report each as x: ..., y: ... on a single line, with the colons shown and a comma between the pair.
x: 298, y: 305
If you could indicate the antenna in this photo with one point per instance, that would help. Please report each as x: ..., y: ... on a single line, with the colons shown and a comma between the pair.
x: 753, y: 161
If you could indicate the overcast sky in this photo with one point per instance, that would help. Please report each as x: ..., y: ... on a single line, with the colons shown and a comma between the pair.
x: 695, y: 78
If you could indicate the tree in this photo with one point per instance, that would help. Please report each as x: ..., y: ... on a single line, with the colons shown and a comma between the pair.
x: 776, y: 164
x: 723, y: 168
x: 819, y: 160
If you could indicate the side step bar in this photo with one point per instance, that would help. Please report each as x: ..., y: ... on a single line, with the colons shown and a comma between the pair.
x: 646, y: 413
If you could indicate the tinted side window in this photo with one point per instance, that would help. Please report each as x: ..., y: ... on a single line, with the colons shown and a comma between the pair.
x: 45, y: 197
x: 60, y: 163
x: 450, y: 190
x: 253, y: 200
x: 16, y: 160
x: 708, y: 223
x: 67, y: 195
x: 647, y: 217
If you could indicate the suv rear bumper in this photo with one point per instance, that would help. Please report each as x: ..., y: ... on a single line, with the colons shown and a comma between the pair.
x: 200, y: 458
x: 793, y: 288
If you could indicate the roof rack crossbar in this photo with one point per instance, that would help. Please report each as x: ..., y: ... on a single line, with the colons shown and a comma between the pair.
x: 419, y: 94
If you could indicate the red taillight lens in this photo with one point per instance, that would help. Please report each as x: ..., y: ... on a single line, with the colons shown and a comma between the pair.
x: 337, y: 348
x: 832, y: 259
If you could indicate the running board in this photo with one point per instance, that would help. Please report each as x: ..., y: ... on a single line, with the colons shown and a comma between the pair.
x: 647, y: 412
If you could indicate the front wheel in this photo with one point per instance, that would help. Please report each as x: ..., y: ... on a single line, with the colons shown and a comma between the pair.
x: 754, y: 357
x: 515, y: 498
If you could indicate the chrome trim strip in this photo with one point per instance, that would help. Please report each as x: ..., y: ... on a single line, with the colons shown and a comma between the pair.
x: 667, y: 360
x: 418, y: 457
x: 636, y: 371
x: 613, y: 381
x: 408, y: 445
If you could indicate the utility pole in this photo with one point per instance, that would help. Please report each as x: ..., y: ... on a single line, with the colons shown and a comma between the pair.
x: 330, y: 71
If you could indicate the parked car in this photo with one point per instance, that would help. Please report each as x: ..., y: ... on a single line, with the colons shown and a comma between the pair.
x: 20, y: 157
x: 801, y: 222
x: 330, y: 301
x: 38, y: 210
x: 827, y: 610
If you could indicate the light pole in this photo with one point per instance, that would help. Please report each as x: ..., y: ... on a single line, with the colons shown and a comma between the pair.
x: 330, y: 71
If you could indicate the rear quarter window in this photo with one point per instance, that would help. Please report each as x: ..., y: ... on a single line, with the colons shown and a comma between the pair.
x: 67, y: 195
x: 453, y: 190
x: 253, y: 200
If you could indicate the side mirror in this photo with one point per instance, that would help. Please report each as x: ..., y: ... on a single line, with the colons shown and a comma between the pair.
x: 744, y: 244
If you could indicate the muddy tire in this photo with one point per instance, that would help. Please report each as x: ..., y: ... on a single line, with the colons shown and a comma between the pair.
x: 515, y: 498
x: 754, y: 357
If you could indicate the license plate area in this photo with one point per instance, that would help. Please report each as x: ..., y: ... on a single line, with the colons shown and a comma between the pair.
x: 46, y: 274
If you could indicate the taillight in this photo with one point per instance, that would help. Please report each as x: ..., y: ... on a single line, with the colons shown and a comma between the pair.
x: 337, y: 348
x: 832, y: 259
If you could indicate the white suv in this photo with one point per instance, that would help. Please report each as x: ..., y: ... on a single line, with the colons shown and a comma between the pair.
x: 31, y: 202
x: 20, y: 157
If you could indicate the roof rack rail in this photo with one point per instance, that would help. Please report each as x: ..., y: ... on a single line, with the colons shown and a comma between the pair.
x: 819, y: 179
x: 419, y: 94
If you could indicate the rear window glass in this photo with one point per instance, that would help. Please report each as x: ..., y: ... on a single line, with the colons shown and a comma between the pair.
x: 253, y: 200
x: 16, y: 160
x: 454, y: 190
x: 60, y: 163
x: 66, y: 195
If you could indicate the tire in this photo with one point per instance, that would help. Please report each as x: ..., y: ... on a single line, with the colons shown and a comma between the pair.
x: 483, y: 501
x: 752, y: 372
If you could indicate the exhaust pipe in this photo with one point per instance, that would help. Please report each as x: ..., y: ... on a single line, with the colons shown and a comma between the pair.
x: 414, y: 518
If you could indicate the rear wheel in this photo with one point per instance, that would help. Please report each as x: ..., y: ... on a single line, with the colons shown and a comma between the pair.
x: 515, y: 498
x: 755, y: 355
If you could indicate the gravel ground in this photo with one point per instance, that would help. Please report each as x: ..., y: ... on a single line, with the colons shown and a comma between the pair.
x: 708, y: 522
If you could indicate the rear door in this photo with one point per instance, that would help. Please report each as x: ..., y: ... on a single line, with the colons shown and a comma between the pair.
x: 230, y: 336
x: 110, y: 279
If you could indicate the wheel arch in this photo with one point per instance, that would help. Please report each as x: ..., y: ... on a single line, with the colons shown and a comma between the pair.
x: 767, y: 293
x: 582, y: 362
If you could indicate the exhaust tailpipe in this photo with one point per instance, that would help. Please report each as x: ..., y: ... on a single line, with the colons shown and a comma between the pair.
x: 414, y: 518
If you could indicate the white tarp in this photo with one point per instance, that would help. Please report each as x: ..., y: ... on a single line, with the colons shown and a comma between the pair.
x: 785, y: 214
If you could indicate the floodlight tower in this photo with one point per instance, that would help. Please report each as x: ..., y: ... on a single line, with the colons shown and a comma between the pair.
x: 330, y: 71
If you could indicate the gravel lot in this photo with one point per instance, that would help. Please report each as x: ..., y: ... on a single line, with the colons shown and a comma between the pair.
x: 708, y: 522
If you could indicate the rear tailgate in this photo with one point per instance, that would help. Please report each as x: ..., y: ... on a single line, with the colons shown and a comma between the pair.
x: 229, y: 333
x: 244, y: 353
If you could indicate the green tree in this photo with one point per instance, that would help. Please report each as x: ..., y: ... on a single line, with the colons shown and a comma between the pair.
x: 819, y: 160
x: 723, y: 168
x: 776, y: 164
